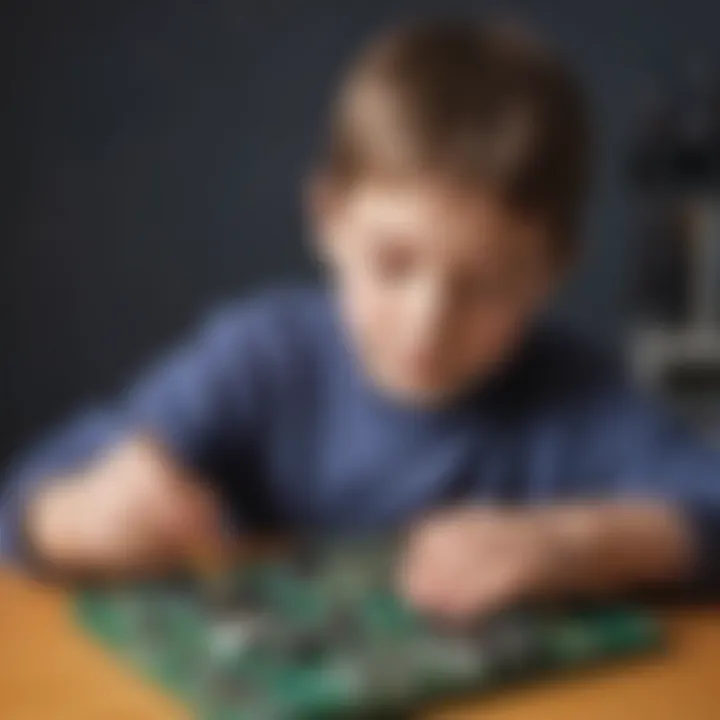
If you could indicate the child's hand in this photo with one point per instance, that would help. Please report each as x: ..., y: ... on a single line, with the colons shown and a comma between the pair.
x: 135, y: 510
x: 473, y: 561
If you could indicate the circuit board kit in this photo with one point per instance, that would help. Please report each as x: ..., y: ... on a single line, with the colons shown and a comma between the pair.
x: 318, y: 632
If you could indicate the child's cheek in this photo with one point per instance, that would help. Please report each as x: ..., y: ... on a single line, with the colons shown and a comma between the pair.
x: 369, y: 309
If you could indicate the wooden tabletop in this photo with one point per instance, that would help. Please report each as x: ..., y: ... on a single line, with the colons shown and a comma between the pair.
x: 51, y: 671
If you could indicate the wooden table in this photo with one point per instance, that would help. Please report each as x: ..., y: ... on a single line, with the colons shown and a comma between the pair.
x: 50, y: 671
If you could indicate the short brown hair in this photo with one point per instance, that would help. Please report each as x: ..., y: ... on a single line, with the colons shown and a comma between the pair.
x: 485, y: 103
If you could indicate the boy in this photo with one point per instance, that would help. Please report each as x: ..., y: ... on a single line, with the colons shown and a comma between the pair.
x: 423, y: 388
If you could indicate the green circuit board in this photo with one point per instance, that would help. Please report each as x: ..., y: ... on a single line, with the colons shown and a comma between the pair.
x: 318, y: 633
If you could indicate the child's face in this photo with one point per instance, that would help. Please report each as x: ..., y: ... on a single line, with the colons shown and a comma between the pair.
x: 436, y: 282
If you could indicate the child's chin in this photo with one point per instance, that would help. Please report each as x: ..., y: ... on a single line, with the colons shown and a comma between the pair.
x: 422, y: 394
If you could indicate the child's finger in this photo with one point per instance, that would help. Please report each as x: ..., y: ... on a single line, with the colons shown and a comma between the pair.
x: 426, y: 582
x: 501, y: 584
x: 190, y: 526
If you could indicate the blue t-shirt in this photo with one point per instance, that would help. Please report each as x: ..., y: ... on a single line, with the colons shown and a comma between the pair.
x: 268, y: 402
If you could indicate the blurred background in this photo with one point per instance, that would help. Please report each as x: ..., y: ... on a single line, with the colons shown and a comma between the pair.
x: 153, y: 153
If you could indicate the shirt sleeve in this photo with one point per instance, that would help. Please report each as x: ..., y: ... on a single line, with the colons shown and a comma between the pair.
x: 203, y: 400
x: 639, y: 449
x: 197, y: 403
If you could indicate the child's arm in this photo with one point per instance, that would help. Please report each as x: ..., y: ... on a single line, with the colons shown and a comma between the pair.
x: 656, y: 520
x: 131, y: 510
x: 129, y: 488
x: 473, y: 560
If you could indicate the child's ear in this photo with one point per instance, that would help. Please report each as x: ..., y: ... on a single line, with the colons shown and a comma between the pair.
x: 321, y: 200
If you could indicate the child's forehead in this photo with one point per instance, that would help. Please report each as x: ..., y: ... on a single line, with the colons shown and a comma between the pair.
x: 434, y: 207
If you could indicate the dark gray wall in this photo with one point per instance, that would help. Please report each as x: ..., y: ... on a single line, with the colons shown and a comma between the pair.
x: 153, y: 152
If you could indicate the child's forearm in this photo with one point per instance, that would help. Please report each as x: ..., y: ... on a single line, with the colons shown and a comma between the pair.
x: 614, y: 546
